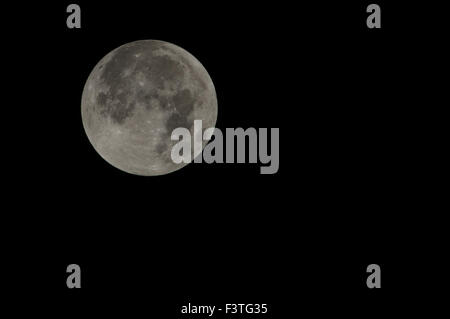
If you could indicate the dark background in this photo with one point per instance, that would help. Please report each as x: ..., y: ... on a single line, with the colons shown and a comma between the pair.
x: 349, y: 105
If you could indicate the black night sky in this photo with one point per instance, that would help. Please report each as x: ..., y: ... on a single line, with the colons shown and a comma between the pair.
x: 348, y: 101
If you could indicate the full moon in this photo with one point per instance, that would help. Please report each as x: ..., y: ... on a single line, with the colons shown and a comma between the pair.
x: 136, y: 96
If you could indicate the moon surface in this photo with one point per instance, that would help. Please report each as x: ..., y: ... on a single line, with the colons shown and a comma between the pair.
x: 136, y: 96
